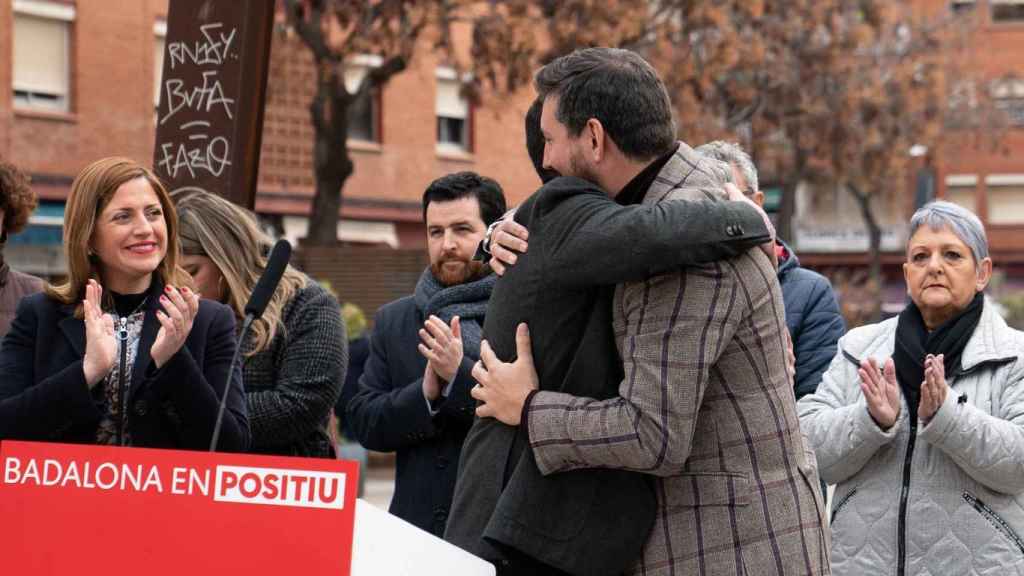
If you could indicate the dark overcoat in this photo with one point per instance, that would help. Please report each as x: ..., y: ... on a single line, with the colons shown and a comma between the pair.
x: 389, y: 413
x: 44, y: 396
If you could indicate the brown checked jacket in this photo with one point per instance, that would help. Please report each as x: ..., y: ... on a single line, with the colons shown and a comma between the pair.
x: 705, y: 407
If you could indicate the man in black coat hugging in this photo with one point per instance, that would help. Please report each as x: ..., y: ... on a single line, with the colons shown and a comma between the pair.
x: 413, y: 396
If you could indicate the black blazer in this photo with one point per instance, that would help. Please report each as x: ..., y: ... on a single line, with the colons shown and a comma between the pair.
x: 44, y: 397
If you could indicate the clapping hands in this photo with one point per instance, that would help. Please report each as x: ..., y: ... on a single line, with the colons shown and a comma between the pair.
x: 441, y: 345
x: 934, y: 388
x: 180, y: 307
x: 100, y: 341
x: 882, y: 392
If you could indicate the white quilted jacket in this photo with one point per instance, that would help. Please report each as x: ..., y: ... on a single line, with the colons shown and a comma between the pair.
x: 962, y: 488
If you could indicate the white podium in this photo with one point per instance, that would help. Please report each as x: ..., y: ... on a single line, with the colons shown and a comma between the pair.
x: 386, y: 545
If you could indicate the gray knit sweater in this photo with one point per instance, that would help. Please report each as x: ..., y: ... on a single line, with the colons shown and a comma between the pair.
x: 292, y: 385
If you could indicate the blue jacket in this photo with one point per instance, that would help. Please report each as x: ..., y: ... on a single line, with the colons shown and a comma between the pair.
x: 813, y: 319
x: 389, y: 413
x: 44, y: 396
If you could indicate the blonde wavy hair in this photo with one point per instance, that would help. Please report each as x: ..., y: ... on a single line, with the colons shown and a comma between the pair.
x: 230, y: 236
x: 91, y: 191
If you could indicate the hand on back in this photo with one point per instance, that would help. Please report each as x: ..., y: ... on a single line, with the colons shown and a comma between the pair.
x: 508, y: 240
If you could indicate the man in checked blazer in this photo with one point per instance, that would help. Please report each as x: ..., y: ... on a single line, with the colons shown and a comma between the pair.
x: 706, y: 406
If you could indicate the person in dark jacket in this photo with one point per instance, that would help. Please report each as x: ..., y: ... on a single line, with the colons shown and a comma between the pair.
x: 358, y: 352
x: 17, y: 201
x: 294, y: 356
x: 812, y: 313
x: 413, y: 397
x: 123, y: 353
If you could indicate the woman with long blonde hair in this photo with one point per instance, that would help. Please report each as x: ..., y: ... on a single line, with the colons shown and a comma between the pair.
x: 294, y: 358
x: 123, y: 352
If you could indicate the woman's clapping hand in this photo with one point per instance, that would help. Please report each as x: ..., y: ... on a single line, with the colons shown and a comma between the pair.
x: 933, y: 389
x: 179, y: 310
x: 100, y: 341
x: 881, y: 391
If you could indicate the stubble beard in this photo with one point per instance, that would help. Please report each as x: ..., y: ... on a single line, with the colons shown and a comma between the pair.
x: 470, y: 271
x: 580, y: 169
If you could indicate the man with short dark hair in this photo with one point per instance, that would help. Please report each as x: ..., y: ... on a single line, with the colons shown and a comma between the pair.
x: 413, y: 397
x: 704, y: 408
x: 812, y: 313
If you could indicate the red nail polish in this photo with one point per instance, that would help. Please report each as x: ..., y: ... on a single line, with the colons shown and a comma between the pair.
x: 167, y: 289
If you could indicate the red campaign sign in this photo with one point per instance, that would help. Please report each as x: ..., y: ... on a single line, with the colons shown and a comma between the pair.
x: 71, y: 509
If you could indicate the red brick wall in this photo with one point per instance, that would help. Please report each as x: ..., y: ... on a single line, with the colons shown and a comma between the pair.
x: 111, y: 111
x: 401, y: 167
x: 995, y: 52
x: 369, y: 277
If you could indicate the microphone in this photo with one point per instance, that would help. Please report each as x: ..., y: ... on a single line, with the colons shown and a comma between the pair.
x: 258, y: 300
x: 267, y: 283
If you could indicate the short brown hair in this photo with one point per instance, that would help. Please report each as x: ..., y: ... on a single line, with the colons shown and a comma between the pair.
x: 16, y: 198
x: 619, y: 89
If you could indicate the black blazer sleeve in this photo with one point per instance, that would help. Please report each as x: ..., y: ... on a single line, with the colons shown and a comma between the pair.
x: 592, y: 240
x: 459, y: 407
x: 31, y: 410
x: 195, y: 391
x: 385, y: 415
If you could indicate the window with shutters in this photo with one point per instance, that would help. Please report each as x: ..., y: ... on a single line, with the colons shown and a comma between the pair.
x: 1005, y: 198
x: 1008, y: 96
x: 1007, y: 10
x: 961, y: 6
x: 961, y: 189
x: 1006, y: 204
x: 453, y: 113
x: 364, y: 112
x: 42, y: 38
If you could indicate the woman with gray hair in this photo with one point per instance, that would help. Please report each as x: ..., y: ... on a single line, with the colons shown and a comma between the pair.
x: 919, y: 420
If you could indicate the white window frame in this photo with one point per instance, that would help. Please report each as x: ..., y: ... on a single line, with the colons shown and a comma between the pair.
x: 448, y: 74
x: 366, y: 62
x: 47, y: 11
x: 962, y: 183
x: 1008, y: 95
x: 994, y: 182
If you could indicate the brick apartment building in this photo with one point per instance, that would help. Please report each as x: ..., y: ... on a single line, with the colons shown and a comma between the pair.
x: 828, y: 231
x: 79, y: 80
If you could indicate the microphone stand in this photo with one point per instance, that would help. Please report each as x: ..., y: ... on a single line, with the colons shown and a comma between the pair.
x: 246, y: 324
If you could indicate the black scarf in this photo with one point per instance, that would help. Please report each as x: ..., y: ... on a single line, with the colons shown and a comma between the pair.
x: 914, y: 342
x: 468, y: 301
